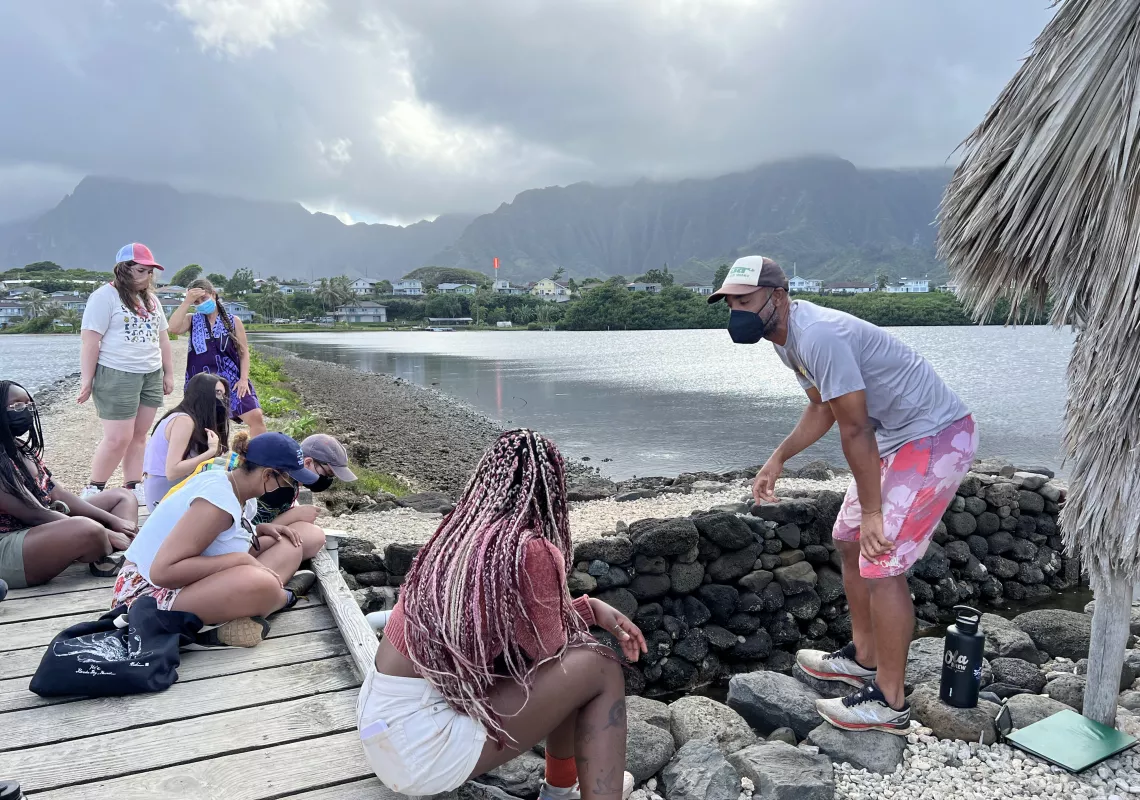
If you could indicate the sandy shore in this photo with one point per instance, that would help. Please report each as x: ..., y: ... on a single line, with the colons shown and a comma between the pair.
x: 72, y: 431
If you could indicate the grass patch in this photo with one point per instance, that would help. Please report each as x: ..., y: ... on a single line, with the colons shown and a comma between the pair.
x: 305, y: 425
x: 369, y: 481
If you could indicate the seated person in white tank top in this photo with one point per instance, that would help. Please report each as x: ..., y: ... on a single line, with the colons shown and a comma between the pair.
x: 198, y: 551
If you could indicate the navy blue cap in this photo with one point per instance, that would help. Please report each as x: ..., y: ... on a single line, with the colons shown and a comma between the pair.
x: 280, y: 452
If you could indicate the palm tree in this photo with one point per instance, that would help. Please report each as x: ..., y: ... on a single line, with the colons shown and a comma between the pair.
x: 342, y: 289
x: 1044, y: 202
x: 327, y: 294
x: 271, y: 303
x: 37, y: 304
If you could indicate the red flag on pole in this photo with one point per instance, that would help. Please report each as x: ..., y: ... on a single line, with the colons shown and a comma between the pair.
x: 496, y: 262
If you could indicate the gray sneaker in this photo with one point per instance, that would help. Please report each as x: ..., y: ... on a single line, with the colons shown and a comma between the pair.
x: 866, y: 710
x: 838, y: 666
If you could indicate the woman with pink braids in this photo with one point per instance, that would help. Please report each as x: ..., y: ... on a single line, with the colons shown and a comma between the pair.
x: 485, y: 654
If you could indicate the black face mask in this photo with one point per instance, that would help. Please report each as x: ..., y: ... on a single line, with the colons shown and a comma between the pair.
x: 20, y: 422
x: 320, y: 484
x: 746, y: 327
x: 283, y: 497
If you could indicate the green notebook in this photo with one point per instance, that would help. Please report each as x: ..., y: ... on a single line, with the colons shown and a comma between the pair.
x: 1071, y: 741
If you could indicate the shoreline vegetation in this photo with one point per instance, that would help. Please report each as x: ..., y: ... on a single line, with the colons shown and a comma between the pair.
x: 592, y: 305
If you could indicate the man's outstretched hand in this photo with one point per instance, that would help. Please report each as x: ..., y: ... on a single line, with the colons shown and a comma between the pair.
x: 764, y: 487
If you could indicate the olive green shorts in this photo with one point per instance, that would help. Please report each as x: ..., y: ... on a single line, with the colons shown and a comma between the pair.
x: 12, y: 559
x: 119, y: 394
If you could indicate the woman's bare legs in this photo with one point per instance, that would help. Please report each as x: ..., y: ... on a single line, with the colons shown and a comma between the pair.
x: 256, y: 422
x: 122, y: 504
x: 51, y: 548
x: 583, y: 690
x: 246, y: 591
x: 117, y: 436
x: 312, y: 538
x: 133, y: 457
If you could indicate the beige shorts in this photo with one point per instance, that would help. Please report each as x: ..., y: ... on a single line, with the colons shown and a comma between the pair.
x: 119, y: 394
x: 12, y: 559
x: 414, y: 741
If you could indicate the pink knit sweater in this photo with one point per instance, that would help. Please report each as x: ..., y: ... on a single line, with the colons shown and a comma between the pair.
x: 544, y: 581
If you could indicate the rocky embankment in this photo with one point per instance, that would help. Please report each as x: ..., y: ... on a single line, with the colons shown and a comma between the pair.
x: 726, y: 590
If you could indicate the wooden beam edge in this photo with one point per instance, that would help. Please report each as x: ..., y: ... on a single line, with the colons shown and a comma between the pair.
x: 354, y: 628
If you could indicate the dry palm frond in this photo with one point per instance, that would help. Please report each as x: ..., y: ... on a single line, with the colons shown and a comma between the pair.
x: 1046, y: 202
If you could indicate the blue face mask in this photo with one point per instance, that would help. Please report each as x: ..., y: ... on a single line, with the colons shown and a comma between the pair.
x: 207, y: 307
x: 747, y: 327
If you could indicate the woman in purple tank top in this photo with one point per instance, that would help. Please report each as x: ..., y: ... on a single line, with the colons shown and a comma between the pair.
x: 218, y: 345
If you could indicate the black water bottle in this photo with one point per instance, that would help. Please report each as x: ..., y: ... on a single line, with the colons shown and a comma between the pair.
x: 962, y: 660
x: 10, y: 790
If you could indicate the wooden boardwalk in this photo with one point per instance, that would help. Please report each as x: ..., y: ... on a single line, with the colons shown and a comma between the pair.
x: 274, y: 721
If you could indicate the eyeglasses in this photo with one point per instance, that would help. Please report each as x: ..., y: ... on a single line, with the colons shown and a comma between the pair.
x: 21, y: 406
x: 247, y: 526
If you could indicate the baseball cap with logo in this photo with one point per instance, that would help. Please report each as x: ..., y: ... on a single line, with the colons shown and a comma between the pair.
x: 280, y: 452
x: 138, y: 253
x: 327, y: 450
x: 748, y: 274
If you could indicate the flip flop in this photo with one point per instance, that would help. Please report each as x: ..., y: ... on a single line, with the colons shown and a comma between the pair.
x: 108, y: 566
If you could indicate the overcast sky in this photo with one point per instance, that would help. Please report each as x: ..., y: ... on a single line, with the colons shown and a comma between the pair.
x: 399, y: 109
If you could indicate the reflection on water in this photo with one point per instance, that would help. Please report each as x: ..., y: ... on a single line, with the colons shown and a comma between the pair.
x: 664, y: 402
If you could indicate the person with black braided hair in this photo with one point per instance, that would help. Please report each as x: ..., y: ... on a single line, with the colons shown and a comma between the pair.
x: 43, y: 528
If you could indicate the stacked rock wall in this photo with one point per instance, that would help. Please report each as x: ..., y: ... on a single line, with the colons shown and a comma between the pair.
x: 719, y: 592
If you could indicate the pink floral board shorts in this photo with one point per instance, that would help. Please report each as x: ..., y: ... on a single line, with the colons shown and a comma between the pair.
x: 131, y: 585
x: 919, y: 481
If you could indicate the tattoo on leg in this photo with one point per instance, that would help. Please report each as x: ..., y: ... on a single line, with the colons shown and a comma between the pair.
x: 609, y: 782
x: 617, y: 715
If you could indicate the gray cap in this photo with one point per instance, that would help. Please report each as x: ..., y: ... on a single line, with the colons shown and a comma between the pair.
x: 748, y: 274
x: 327, y: 450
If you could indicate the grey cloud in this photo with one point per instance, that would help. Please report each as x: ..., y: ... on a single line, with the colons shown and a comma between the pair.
x: 433, y: 106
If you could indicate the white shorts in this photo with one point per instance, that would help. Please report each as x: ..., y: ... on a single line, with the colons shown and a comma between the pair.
x: 414, y: 741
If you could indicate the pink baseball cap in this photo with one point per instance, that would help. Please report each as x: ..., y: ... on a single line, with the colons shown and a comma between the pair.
x: 138, y: 253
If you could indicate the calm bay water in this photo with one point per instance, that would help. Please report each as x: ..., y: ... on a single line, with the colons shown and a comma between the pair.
x: 665, y: 402
x: 38, y: 361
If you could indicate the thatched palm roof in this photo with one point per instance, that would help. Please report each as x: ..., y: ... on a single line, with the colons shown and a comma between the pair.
x: 1047, y: 200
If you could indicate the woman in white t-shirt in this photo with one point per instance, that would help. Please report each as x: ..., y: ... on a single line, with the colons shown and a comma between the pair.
x: 126, y: 366
x: 199, y: 552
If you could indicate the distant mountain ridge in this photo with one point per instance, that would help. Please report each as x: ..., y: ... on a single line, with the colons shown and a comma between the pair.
x: 220, y: 233
x: 824, y: 215
x: 830, y: 218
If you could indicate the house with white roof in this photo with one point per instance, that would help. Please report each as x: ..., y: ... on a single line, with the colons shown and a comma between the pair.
x: 408, y: 288
x: 456, y: 288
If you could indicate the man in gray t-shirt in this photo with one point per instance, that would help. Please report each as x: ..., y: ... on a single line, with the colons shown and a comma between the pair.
x: 909, y: 441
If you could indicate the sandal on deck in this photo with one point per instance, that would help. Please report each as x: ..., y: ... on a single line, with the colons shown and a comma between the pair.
x: 107, y: 567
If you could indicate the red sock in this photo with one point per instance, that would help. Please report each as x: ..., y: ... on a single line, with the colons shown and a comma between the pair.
x: 561, y: 773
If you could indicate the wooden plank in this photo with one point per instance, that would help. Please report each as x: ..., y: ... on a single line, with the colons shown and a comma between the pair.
x: 183, y: 700
x: 357, y: 633
x: 75, y: 578
x: 22, y: 663
x: 14, y: 694
x: 367, y: 789
x: 93, y: 601
x: 258, y: 774
x: 137, y: 750
x: 37, y: 633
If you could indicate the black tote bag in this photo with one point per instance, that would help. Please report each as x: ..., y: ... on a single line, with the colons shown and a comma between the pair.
x: 118, y: 654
